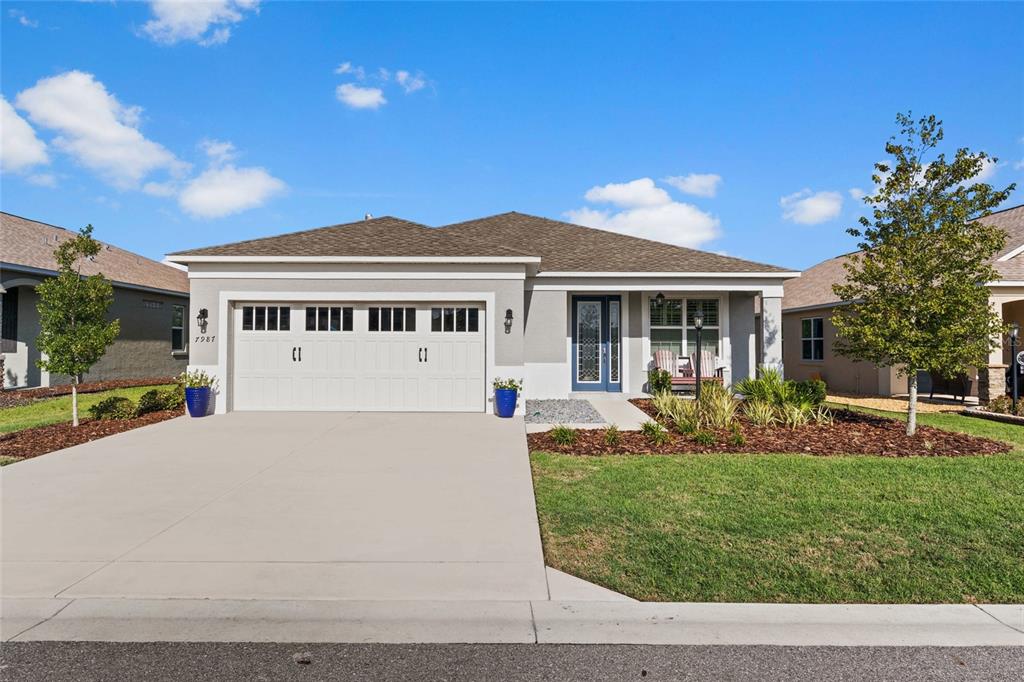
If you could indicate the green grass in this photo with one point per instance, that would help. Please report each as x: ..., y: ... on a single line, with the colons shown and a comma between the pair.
x: 792, y: 528
x: 56, y: 410
x: 4, y: 461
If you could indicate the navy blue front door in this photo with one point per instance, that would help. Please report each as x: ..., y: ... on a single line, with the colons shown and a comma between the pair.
x: 596, y: 343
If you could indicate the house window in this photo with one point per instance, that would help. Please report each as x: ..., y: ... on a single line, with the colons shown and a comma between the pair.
x: 667, y: 325
x: 328, y: 318
x: 709, y: 334
x: 392, y: 319
x: 9, y: 322
x: 266, y: 318
x: 812, y: 338
x: 178, y: 328
x: 454, y: 319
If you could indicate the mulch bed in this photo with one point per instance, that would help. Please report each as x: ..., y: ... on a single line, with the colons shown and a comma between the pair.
x: 853, y: 433
x: 43, y: 439
x: 20, y: 396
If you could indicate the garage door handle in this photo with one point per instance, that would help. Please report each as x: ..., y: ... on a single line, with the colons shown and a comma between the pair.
x: 424, y: 355
x: 421, y: 355
x: 300, y: 353
x: 293, y: 353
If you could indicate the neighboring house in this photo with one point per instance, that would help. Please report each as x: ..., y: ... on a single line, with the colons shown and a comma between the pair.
x: 809, y: 335
x: 386, y: 314
x: 150, y: 299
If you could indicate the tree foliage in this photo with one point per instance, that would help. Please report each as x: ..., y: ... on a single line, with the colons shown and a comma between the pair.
x: 74, y: 330
x: 917, y: 293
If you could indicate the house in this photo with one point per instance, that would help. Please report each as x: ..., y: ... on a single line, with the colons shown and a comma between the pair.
x: 150, y: 300
x: 387, y: 314
x: 809, y: 303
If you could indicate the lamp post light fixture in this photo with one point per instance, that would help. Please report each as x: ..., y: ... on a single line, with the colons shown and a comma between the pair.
x: 1014, y: 364
x: 698, y: 324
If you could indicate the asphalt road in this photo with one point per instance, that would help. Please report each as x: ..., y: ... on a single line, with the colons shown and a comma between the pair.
x: 85, y: 661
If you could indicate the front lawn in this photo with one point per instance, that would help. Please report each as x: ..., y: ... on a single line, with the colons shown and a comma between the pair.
x: 791, y: 528
x: 56, y: 410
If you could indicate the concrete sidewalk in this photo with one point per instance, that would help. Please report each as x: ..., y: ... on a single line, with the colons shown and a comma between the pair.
x: 511, y: 622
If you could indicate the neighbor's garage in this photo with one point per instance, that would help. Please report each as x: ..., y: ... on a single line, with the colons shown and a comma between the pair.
x: 359, y: 356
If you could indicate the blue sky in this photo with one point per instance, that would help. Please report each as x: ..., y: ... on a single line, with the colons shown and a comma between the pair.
x: 169, y: 127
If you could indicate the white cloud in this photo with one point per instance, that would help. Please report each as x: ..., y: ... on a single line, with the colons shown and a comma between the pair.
x: 856, y: 193
x: 43, y: 179
x: 224, y: 190
x: 988, y: 170
x: 697, y: 184
x: 640, y: 192
x: 1019, y: 165
x: 409, y: 82
x: 96, y: 129
x: 23, y: 18
x: 346, y: 68
x: 207, y: 22
x: 648, y: 212
x: 160, y: 189
x: 19, y: 147
x: 218, y: 151
x: 359, y: 97
x: 810, y: 208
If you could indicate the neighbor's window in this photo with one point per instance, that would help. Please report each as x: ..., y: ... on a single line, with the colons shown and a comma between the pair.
x: 266, y: 318
x: 812, y: 338
x: 454, y: 319
x: 328, y: 318
x: 392, y: 319
x: 9, y: 323
x: 178, y: 328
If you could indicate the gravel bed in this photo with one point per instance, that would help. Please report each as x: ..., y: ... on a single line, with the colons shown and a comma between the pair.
x: 561, y: 411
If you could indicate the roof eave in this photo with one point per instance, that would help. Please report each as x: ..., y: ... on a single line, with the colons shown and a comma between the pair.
x: 185, y: 259
x: 760, y: 275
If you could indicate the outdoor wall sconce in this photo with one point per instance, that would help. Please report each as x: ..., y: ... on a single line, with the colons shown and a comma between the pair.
x: 660, y: 298
x: 201, y: 320
x: 508, y: 321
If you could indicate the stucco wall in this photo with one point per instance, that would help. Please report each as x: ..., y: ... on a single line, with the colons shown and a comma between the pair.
x: 20, y: 368
x: 841, y: 374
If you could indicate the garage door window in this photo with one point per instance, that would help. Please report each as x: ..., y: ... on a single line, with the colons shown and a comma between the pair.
x: 326, y: 318
x: 266, y: 318
x: 393, y: 319
x: 454, y: 319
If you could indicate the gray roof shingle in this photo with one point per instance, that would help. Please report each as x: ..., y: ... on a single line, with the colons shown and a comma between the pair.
x: 30, y: 243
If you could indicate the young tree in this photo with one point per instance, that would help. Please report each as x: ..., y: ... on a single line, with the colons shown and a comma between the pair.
x: 74, y: 331
x: 917, y: 293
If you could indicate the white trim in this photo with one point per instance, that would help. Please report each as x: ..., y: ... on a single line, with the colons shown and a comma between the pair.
x: 772, y: 289
x: 1011, y: 254
x: 744, y: 275
x: 1006, y: 283
x: 251, y: 274
x: 228, y: 298
x: 184, y: 259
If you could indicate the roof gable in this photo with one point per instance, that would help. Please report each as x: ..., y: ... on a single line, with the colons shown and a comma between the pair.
x: 30, y: 243
x: 566, y: 247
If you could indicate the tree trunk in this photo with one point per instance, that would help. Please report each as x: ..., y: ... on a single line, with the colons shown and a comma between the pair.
x: 912, y: 404
x: 74, y: 401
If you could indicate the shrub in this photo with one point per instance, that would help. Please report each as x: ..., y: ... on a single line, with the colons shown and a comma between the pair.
x: 686, y: 415
x: 769, y: 386
x: 665, y: 404
x: 812, y: 391
x: 1004, y: 405
x: 150, y: 401
x: 822, y: 415
x: 736, y: 436
x: 705, y: 438
x: 197, y: 378
x: 659, y: 381
x: 760, y: 412
x: 564, y: 435
x: 114, y: 407
x: 174, y: 398
x: 655, y: 433
x: 717, y: 407
x: 612, y: 435
x: 793, y: 416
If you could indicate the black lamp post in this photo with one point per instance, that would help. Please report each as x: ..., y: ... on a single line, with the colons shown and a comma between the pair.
x: 698, y: 324
x: 1014, y: 368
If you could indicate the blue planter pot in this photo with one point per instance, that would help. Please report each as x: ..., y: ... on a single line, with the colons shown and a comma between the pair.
x: 505, y: 401
x: 198, y: 401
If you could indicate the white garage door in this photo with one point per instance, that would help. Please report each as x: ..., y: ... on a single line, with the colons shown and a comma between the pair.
x: 359, y: 356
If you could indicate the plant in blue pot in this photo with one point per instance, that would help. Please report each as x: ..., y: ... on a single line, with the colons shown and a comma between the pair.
x: 506, y: 391
x: 198, y: 385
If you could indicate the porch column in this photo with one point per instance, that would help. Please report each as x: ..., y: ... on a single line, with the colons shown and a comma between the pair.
x: 743, y: 337
x: 992, y: 378
x: 771, y: 331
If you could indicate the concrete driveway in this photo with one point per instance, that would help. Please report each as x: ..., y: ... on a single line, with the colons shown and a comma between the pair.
x: 280, y: 506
